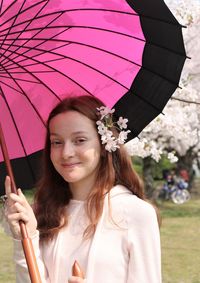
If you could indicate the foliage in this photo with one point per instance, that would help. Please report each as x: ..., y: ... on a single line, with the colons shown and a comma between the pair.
x: 157, y: 168
x: 137, y: 164
x: 163, y: 164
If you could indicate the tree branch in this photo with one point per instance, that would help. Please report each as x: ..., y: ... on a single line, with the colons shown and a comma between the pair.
x: 186, y: 101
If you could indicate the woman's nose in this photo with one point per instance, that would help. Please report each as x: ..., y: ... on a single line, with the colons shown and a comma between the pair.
x: 68, y: 150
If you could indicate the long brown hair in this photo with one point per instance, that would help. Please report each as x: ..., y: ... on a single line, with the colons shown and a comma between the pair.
x: 53, y: 194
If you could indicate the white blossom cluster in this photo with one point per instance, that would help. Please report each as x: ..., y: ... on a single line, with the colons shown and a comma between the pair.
x: 186, y: 11
x: 104, y: 126
x: 176, y: 131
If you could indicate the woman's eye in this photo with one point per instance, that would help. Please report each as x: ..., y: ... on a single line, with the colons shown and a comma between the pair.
x: 55, y: 143
x: 79, y: 141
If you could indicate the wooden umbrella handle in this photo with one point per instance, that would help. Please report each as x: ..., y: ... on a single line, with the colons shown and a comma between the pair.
x: 77, y: 271
x: 26, y: 241
x: 31, y: 260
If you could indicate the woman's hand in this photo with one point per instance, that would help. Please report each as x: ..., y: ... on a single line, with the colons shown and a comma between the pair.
x: 75, y: 279
x: 17, y: 208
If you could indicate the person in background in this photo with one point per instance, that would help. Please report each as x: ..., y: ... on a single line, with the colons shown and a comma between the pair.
x: 184, y: 175
x: 89, y: 206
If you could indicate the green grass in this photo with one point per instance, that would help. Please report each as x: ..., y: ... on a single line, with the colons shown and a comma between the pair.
x: 180, y: 239
x: 6, y: 262
x: 188, y: 209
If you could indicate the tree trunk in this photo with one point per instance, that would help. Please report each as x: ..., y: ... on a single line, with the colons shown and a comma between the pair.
x: 148, y: 164
x: 186, y: 162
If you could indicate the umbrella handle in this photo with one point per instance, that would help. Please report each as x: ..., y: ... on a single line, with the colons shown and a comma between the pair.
x: 77, y: 271
x: 31, y: 260
x: 26, y: 241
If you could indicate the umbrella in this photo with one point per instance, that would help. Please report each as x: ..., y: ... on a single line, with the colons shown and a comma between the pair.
x: 127, y: 53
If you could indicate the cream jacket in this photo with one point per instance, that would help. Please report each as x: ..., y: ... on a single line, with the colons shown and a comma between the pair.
x: 124, y: 249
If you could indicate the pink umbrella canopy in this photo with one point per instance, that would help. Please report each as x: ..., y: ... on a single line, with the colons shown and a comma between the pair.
x: 127, y: 53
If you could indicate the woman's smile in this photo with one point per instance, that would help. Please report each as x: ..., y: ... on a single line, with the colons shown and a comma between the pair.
x: 70, y: 164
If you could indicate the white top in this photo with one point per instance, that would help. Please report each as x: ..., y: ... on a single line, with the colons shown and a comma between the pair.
x: 77, y: 249
x: 125, y: 250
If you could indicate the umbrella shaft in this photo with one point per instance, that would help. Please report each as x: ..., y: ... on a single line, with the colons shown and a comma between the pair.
x: 7, y: 160
x: 31, y: 260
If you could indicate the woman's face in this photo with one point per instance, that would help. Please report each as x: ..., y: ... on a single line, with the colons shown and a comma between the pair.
x: 75, y: 148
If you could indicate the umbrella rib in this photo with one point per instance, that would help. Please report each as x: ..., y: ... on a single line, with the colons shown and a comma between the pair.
x: 1, y: 6
x: 19, y: 79
x: 18, y: 134
x: 101, y: 29
x: 28, y: 8
x: 146, y: 101
x: 12, y: 87
x: 37, y: 77
x: 106, y: 51
x: 47, y: 24
x: 69, y: 41
x: 77, y: 26
x: 30, y: 49
x: 32, y: 105
x: 29, y: 22
x: 12, y: 25
x: 23, y: 72
x: 141, y: 66
x: 9, y: 6
x: 141, y: 98
x: 44, y: 40
x: 68, y: 27
x: 78, y: 61
x: 127, y: 13
x: 15, y: 125
x: 97, y: 48
x: 76, y: 43
x: 103, y: 10
x: 48, y: 86
x: 32, y: 38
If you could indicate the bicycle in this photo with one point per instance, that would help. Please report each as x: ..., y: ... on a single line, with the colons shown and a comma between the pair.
x: 176, y: 192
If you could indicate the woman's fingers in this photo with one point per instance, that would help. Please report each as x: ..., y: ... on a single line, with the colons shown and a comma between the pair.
x: 10, y: 196
x: 14, y: 204
x: 9, y: 193
x: 16, y: 217
x: 22, y: 195
x: 19, y: 208
x: 15, y: 207
x: 18, y: 198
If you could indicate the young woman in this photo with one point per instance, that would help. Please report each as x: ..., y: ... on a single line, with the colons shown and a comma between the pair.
x: 89, y: 205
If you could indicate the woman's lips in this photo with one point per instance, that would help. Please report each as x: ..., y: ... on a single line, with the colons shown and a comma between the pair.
x: 70, y: 165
